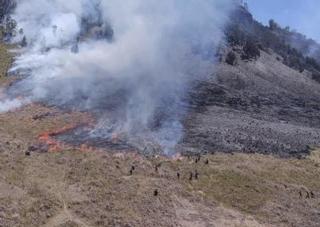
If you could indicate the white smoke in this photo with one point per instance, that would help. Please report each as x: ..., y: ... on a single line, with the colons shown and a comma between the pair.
x: 11, y: 104
x: 132, y: 60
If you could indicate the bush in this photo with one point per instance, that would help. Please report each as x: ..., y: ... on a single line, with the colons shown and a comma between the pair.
x: 250, y: 51
x: 6, y: 7
x: 294, y: 62
x: 273, y: 25
x: 24, y: 42
x: 313, y: 63
x: 316, y: 76
x: 231, y: 58
x: 235, y: 36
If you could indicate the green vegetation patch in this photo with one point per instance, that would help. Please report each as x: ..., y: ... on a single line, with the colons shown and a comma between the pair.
x: 5, y: 59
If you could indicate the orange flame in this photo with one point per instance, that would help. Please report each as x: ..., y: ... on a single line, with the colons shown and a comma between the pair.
x: 55, y: 145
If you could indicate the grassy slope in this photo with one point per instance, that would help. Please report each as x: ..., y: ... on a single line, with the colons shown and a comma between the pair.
x: 75, y: 188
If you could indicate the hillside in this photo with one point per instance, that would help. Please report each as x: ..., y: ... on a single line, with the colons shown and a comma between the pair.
x: 295, y: 50
x: 256, y: 104
x: 249, y: 155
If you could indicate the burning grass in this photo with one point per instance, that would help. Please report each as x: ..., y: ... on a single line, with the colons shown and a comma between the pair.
x: 54, y: 144
x: 22, y: 124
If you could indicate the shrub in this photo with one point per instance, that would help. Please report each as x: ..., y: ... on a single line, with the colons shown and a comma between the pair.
x: 273, y: 25
x: 250, y: 51
x: 316, y: 76
x: 6, y: 7
x: 313, y: 63
x: 231, y: 58
x: 24, y: 42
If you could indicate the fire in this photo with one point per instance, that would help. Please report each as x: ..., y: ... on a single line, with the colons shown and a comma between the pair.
x: 56, y: 146
x: 53, y: 144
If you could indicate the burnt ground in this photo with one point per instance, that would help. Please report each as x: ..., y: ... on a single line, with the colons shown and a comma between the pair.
x: 255, y: 106
x: 85, y: 187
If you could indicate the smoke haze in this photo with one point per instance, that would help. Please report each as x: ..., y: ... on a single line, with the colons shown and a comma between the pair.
x: 130, y: 62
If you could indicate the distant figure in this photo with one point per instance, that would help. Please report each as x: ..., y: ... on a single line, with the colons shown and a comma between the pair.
x: 24, y: 42
x: 190, y: 176
x: 156, y: 168
x: 178, y: 175
x: 312, y: 195
x: 156, y: 193
x: 196, y: 175
x: 131, y: 170
x: 75, y: 48
x: 207, y: 162
x: 197, y: 159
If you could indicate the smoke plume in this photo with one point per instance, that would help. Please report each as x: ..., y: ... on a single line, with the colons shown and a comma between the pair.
x: 130, y: 62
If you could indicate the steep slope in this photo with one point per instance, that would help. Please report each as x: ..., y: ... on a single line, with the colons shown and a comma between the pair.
x: 260, y: 104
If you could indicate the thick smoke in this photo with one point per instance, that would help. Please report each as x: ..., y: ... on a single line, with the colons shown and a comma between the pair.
x: 130, y: 62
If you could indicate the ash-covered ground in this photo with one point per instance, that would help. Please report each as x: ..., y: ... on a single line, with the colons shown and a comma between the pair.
x: 255, y: 106
x: 263, y: 96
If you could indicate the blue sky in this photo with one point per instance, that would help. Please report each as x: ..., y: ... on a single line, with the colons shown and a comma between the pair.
x: 301, y: 15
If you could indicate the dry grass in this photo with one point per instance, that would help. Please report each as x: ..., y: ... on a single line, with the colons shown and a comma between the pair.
x: 73, y: 188
x: 30, y: 128
x: 95, y: 189
x: 5, y: 59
